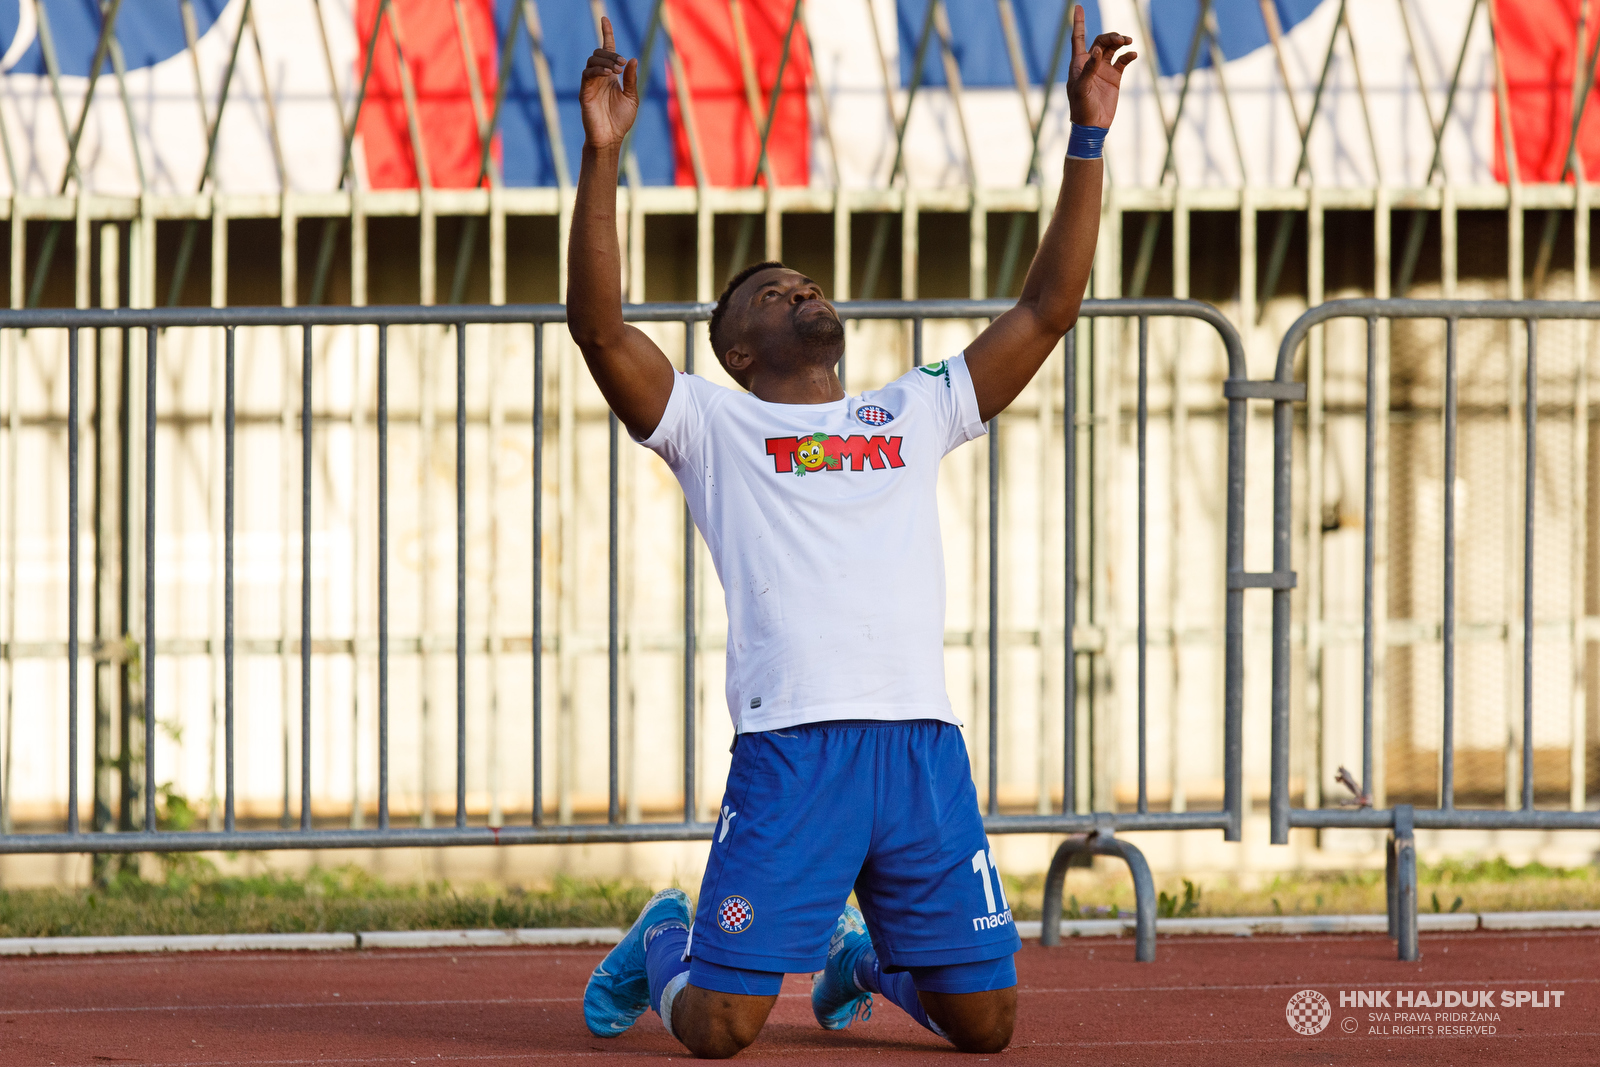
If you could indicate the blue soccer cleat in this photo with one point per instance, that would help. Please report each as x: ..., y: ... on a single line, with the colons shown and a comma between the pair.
x: 836, y: 1000
x: 619, y: 989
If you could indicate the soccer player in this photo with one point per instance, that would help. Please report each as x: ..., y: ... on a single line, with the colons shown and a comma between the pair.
x: 849, y: 770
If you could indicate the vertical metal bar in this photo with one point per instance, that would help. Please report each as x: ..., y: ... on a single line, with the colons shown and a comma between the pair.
x: 1380, y: 353
x: 230, y: 424
x: 305, y: 578
x: 72, y: 580
x: 215, y: 504
x: 1447, y: 754
x: 1282, y: 543
x: 383, y: 578
x: 1233, y: 648
x: 1144, y: 634
x: 426, y: 427
x: 612, y: 686
x: 994, y: 614
x: 689, y: 792
x: 1530, y: 418
x: 538, y: 573
x: 1577, y: 703
x: 916, y: 343
x: 148, y: 665
x: 1069, y: 678
x: 1177, y: 455
x: 1369, y: 547
x: 461, y: 574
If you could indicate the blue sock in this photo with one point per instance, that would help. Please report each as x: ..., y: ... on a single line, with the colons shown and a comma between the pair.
x: 898, y: 987
x: 663, y: 957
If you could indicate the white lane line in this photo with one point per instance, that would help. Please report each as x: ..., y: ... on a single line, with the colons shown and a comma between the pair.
x: 1347, y: 1040
x: 353, y: 957
x: 419, y: 1058
x: 811, y: 1050
x: 1314, y: 939
x: 314, y: 1004
x: 1120, y: 990
x: 296, y: 1005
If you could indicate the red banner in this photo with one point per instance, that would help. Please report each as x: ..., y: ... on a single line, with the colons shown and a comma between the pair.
x: 435, y: 55
x: 1538, y: 47
x: 729, y: 136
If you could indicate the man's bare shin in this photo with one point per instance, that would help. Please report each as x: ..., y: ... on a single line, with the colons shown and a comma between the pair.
x: 715, y: 1025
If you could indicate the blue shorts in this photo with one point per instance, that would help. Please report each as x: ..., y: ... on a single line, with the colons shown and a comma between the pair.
x: 885, y: 808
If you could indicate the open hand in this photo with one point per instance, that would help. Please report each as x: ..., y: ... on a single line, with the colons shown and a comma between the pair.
x: 1093, y: 81
x: 609, y: 107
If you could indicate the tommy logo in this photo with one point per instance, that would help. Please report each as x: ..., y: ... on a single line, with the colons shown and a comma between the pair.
x: 819, y: 452
x: 727, y: 819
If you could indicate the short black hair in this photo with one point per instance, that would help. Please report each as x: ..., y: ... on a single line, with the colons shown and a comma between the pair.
x: 719, y: 347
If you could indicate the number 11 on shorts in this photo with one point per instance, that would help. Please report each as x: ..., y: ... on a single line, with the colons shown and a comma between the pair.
x: 982, y: 864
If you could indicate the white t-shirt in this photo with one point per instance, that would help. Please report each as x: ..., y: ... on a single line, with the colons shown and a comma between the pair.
x: 824, y: 527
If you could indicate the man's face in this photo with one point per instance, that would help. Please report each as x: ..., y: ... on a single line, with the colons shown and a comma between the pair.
x: 779, y: 305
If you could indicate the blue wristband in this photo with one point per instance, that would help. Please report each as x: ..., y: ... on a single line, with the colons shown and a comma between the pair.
x: 1086, y: 142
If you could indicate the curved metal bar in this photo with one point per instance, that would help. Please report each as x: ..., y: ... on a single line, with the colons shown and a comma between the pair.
x: 1101, y: 843
x: 1365, y: 307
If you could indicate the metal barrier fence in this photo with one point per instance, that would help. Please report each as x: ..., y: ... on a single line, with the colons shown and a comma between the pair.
x: 1093, y: 831
x: 1404, y: 819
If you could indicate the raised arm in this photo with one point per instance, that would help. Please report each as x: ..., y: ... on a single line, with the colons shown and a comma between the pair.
x: 632, y: 373
x: 1006, y: 356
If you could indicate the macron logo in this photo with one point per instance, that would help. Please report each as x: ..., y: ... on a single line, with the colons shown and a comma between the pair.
x: 727, y: 818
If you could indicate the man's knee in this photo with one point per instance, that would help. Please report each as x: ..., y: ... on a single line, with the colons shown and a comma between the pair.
x: 715, y: 1025
x: 974, y: 1022
x: 721, y: 1037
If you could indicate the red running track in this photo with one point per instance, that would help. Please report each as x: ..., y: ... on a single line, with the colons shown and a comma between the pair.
x: 1206, y: 1001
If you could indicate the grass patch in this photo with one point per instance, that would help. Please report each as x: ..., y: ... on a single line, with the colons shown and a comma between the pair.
x: 193, y: 898
x: 1453, y: 885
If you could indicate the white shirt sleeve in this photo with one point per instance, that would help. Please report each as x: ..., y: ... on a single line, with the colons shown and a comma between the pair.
x: 947, y: 389
x: 680, y: 434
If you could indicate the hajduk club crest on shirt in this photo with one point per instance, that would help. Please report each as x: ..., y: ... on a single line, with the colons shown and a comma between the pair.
x: 735, y: 915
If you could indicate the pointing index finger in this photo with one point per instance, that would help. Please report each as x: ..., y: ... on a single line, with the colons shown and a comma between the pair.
x: 1078, y: 31
x: 608, y: 40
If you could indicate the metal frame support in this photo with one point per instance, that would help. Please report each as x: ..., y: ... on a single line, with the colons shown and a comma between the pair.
x: 1074, y: 852
x: 153, y: 838
x: 1400, y: 878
